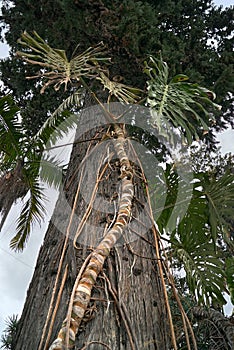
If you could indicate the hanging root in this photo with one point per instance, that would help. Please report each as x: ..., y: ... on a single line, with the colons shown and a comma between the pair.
x: 95, y: 342
x: 158, y: 257
x: 123, y: 314
x: 164, y: 266
x: 185, y: 320
x: 48, y: 318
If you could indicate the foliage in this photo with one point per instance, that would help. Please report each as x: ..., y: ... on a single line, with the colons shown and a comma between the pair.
x: 10, y: 132
x: 213, y: 331
x: 220, y: 196
x: 229, y: 269
x: 27, y: 153
x: 176, y: 101
x: 22, y: 162
x: 9, y: 333
x: 201, y: 241
x: 182, y: 30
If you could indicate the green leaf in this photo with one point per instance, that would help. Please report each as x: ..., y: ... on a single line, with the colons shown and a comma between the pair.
x: 185, y: 105
x: 220, y: 196
x: 51, y: 171
x: 61, y: 121
x: 32, y: 211
x: 9, y: 333
x: 165, y: 187
x: 192, y: 245
x: 10, y: 129
x: 204, y: 270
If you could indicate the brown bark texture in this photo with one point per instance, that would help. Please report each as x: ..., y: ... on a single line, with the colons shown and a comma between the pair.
x: 127, y: 308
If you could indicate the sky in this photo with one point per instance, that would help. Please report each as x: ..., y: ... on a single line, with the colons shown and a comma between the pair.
x: 224, y: 3
x: 16, y: 269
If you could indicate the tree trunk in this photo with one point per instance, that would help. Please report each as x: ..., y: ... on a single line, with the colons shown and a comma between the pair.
x: 127, y: 307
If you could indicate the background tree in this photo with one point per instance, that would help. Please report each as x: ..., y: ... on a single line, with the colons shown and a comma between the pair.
x: 127, y: 43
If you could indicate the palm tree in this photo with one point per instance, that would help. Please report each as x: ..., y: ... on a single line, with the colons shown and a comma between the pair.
x: 9, y: 333
x: 174, y: 105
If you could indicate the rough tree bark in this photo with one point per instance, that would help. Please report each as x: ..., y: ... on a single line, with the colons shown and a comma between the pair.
x: 127, y: 308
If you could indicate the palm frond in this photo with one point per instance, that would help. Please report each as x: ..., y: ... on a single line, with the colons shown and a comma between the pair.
x: 51, y: 171
x: 61, y: 120
x: 23, y: 162
x: 11, y: 323
x: 58, y: 70
x: 32, y: 211
x: 9, y: 332
x: 176, y: 102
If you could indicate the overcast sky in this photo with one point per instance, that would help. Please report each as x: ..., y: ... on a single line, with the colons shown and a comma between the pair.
x: 16, y: 269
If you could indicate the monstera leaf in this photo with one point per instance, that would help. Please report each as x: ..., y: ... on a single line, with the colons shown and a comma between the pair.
x: 192, y: 245
x: 220, y: 197
x: 209, y: 272
x: 57, y: 69
x: 177, y: 103
x: 171, y: 196
x: 122, y: 92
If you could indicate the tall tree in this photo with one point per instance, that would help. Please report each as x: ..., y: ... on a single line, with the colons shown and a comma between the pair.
x: 126, y: 43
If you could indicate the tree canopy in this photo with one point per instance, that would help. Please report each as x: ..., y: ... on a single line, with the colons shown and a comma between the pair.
x: 194, y: 38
